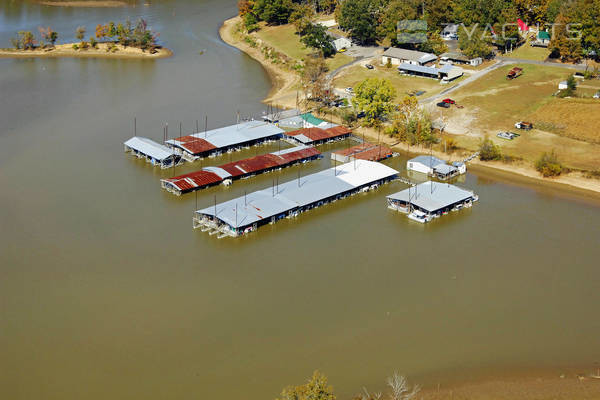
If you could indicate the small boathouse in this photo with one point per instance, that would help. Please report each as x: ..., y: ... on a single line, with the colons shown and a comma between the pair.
x: 152, y: 152
x: 218, y: 141
x: 245, y: 214
x: 246, y: 168
x: 430, y: 200
x: 433, y: 166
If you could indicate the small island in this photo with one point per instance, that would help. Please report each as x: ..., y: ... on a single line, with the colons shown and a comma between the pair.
x: 111, y: 40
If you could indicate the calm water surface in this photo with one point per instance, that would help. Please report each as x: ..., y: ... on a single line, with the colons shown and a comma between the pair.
x: 107, y: 292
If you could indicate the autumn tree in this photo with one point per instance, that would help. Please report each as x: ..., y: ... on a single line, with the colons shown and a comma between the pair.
x: 101, y: 31
x: 80, y: 35
x: 375, y: 97
x: 27, y: 40
x: 245, y: 6
x: 314, y: 79
x: 48, y: 35
x: 488, y: 151
x: 411, y: 124
x: 563, y: 45
x: 474, y: 42
x: 302, y: 17
x: 315, y: 389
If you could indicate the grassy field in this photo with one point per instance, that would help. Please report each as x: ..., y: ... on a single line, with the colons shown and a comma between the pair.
x: 284, y: 39
x: 527, y: 52
x: 403, y: 84
x: 493, y: 104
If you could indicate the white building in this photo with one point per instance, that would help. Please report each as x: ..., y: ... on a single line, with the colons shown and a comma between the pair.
x: 563, y: 85
x: 341, y: 43
x: 398, y: 56
x: 433, y: 166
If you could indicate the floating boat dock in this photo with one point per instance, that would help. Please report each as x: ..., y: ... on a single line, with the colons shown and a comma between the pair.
x: 364, y: 151
x: 430, y: 199
x: 245, y: 214
x: 314, y: 136
x: 229, y: 138
x: 248, y: 167
x: 152, y: 152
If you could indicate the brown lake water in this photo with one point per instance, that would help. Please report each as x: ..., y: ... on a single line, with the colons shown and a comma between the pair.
x: 107, y: 292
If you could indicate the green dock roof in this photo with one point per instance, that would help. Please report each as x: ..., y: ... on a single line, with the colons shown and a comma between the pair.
x: 311, y: 119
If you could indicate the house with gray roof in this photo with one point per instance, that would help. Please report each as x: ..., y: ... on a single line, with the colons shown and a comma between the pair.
x: 397, y: 56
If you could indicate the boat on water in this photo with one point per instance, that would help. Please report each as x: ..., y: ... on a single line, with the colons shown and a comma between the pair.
x: 419, y: 216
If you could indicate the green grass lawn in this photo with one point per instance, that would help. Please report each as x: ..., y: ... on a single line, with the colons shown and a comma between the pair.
x: 527, y: 52
x: 284, y: 39
x: 402, y: 84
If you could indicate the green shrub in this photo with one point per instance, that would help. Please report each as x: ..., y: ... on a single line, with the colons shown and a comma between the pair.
x: 488, y: 151
x: 549, y: 165
x: 389, y: 63
x: 93, y: 42
x: 250, y: 23
x: 75, y: 46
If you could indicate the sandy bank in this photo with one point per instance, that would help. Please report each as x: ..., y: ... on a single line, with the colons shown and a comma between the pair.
x: 66, y: 50
x: 283, y: 80
x: 84, y: 3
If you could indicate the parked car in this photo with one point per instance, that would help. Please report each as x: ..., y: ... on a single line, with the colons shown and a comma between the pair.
x: 361, y: 114
x: 342, y: 50
x: 349, y: 90
x: 514, y: 73
x: 443, y: 104
x: 597, y: 95
x: 508, y: 135
x: 369, y: 66
x: 524, y: 125
x: 449, y: 101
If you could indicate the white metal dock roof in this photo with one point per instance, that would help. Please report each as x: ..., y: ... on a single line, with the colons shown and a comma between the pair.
x: 432, y: 196
x: 236, y: 134
x: 149, y: 147
x: 308, y: 189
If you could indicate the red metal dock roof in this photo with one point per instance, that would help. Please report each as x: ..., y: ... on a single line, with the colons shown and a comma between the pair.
x: 250, y: 165
x: 367, y: 151
x: 195, y: 145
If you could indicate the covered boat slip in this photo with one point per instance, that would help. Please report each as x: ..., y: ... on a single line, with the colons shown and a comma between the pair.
x: 153, y: 152
x: 315, y: 136
x: 226, y: 173
x: 245, y: 214
x: 431, y: 199
x: 217, y: 141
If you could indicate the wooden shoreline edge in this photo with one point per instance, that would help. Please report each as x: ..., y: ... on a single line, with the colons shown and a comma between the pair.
x: 66, y: 50
x: 282, y: 81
